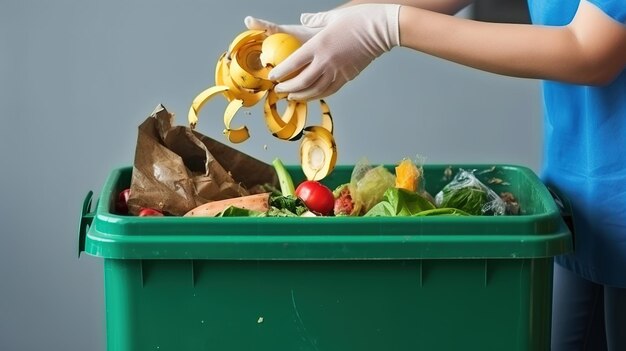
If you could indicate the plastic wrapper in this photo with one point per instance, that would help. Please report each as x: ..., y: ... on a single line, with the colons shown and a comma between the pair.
x: 368, y: 185
x: 410, y: 176
x: 466, y: 192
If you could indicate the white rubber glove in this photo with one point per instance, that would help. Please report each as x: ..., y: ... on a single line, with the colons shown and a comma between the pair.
x: 301, y: 32
x: 349, y: 40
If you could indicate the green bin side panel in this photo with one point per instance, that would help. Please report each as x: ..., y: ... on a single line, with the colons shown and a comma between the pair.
x: 438, y: 304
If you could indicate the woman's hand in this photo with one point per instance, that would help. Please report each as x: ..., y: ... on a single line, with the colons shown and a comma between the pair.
x: 348, y: 40
x: 301, y: 32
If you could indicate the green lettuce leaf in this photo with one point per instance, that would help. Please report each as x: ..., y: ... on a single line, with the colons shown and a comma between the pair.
x: 400, y: 202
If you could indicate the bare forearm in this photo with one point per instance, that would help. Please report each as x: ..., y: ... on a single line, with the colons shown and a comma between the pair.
x: 556, y: 53
x: 509, y: 49
x: 449, y: 7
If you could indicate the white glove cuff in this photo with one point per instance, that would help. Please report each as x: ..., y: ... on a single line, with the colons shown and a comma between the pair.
x: 393, y: 24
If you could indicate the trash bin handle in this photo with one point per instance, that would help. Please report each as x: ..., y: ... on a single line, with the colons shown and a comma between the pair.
x: 565, y: 209
x: 86, y: 217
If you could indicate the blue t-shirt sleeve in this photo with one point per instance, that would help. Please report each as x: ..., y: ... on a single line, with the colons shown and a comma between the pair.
x: 616, y: 9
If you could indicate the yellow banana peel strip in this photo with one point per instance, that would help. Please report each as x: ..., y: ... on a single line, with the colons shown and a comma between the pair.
x: 272, y: 118
x: 249, y: 57
x: 234, y: 135
x: 327, y: 118
x: 239, y: 73
x: 326, y: 123
x: 222, y: 77
x: 199, y: 101
x: 291, y: 123
x: 300, y: 115
x: 245, y: 37
x: 318, y: 152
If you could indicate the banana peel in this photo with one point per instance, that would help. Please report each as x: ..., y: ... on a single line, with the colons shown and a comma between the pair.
x: 241, y: 77
x: 234, y: 135
x: 199, y: 101
x: 277, y: 47
x: 246, y: 70
x: 245, y: 37
x: 327, y: 118
x: 291, y: 123
x: 318, y: 152
x: 222, y: 77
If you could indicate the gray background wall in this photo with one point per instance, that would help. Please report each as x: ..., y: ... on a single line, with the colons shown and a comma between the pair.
x: 78, y: 77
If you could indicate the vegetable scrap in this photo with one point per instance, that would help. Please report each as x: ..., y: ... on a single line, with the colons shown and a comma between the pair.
x: 372, y: 191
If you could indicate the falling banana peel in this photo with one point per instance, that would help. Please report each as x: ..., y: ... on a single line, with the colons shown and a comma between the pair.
x: 241, y: 77
x: 289, y: 126
x: 234, y: 135
x: 318, y: 151
x: 199, y: 101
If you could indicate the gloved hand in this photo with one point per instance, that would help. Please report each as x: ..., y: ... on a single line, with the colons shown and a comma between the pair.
x: 349, y: 39
x: 301, y: 32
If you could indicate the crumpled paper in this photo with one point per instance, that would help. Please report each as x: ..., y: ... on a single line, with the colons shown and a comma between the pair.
x: 177, y: 169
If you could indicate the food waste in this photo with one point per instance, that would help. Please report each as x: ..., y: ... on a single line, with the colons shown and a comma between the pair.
x: 241, y: 76
x: 372, y: 191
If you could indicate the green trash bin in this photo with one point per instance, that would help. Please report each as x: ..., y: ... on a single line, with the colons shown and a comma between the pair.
x: 330, y: 283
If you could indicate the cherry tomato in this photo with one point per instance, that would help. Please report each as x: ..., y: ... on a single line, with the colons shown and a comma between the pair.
x: 149, y: 212
x: 316, y: 196
x: 121, y: 205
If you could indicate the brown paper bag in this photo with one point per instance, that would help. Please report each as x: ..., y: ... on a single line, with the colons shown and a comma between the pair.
x: 177, y: 169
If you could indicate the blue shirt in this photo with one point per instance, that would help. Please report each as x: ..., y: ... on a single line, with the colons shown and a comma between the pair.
x: 585, y: 155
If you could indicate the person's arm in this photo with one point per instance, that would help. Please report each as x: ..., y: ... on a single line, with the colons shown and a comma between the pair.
x: 303, y: 33
x: 591, y: 50
x: 449, y: 7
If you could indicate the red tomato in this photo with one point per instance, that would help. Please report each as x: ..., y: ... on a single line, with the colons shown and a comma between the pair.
x: 316, y: 196
x: 121, y: 205
x: 149, y: 212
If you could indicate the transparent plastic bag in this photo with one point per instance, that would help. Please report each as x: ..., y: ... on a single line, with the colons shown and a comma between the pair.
x: 466, y: 192
x: 410, y: 176
x: 368, y: 184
